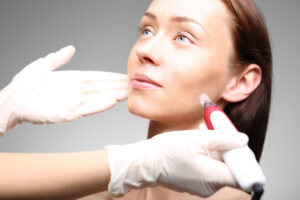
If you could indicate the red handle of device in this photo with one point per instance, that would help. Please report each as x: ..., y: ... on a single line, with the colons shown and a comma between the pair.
x: 208, y: 120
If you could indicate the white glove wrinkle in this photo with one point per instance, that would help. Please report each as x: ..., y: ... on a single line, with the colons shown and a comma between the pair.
x: 176, y: 160
x: 94, y: 76
x: 39, y: 95
x: 100, y: 86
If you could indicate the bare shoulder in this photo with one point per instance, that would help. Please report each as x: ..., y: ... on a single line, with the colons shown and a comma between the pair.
x: 98, y: 196
x: 228, y: 193
x: 225, y: 193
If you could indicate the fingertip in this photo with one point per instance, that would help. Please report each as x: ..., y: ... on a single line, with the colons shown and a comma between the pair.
x: 244, y: 138
x: 123, y: 95
x: 203, y: 126
x: 67, y: 51
x: 69, y: 48
x: 59, y: 58
x: 94, y: 107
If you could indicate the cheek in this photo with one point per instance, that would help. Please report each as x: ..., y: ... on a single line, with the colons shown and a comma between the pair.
x: 185, y: 77
x: 190, y: 79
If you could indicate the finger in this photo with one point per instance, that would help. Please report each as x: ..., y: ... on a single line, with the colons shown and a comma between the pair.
x: 95, y: 103
x: 93, y: 76
x: 203, y: 126
x: 94, y: 107
x: 218, y: 141
x: 59, y: 58
x: 90, y: 76
x: 94, y: 87
x: 217, y: 173
x: 117, y: 95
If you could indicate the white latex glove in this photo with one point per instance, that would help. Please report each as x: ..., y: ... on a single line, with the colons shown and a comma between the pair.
x: 38, y: 94
x: 185, y: 161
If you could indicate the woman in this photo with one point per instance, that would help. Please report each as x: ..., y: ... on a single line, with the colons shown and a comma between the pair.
x: 193, y: 47
x: 39, y: 95
x: 185, y: 48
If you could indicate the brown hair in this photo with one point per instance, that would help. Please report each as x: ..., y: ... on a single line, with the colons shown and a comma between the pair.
x: 252, y: 46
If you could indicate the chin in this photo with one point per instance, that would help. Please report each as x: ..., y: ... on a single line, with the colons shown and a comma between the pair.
x: 145, y: 109
x: 156, y: 112
x: 136, y: 108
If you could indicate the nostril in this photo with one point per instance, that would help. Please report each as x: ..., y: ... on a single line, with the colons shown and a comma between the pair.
x: 148, y: 60
x: 146, y: 57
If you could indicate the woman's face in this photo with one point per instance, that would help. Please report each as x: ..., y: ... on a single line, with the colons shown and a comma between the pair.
x: 183, y: 51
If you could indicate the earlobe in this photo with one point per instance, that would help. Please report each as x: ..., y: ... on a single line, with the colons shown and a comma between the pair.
x: 243, y: 84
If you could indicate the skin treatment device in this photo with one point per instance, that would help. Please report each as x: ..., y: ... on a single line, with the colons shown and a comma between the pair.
x: 241, y: 161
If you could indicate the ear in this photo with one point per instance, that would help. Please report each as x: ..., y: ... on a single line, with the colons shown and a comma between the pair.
x: 243, y: 84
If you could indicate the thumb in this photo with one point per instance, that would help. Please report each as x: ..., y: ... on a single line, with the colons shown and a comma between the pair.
x: 59, y: 58
x: 220, y: 141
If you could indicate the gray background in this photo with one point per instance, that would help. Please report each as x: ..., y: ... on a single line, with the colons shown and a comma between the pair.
x: 103, y: 31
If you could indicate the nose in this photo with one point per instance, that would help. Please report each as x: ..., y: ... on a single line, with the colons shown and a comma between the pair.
x: 150, y: 51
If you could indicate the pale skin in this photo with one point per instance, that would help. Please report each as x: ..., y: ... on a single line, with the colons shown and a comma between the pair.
x: 185, y: 48
x: 35, y: 176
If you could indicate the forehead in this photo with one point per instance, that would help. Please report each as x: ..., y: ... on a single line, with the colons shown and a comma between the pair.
x: 206, y: 12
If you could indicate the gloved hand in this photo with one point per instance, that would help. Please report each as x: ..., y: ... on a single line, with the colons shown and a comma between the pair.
x: 186, y: 161
x: 38, y: 94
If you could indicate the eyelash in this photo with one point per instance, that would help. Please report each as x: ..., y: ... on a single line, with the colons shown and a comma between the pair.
x: 142, y: 29
x: 186, y: 35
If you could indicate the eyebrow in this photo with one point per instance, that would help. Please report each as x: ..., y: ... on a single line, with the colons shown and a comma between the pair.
x: 179, y: 19
x: 152, y: 16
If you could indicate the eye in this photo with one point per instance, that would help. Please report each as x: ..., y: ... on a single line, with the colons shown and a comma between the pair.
x: 184, y: 38
x: 146, y: 31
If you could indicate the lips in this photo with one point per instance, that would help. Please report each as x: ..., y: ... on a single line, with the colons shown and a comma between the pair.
x: 143, y: 82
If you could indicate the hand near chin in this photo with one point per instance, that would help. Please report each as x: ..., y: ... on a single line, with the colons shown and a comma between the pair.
x: 39, y: 95
x: 186, y: 161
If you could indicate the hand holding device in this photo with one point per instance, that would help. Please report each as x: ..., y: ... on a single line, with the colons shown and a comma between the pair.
x: 182, y: 160
x: 241, y: 161
x: 39, y: 95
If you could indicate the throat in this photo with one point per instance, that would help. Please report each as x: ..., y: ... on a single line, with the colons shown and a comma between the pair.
x: 157, y: 127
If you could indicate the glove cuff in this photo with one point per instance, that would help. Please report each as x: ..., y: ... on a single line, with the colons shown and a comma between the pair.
x: 131, y: 166
x: 6, y: 110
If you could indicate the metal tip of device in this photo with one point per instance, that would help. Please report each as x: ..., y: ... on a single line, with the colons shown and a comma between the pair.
x: 205, y: 101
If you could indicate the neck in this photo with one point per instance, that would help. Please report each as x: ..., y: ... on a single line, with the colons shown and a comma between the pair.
x: 157, y: 127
